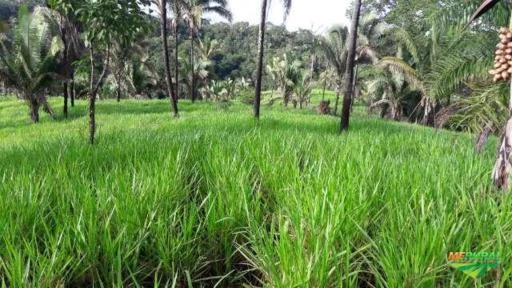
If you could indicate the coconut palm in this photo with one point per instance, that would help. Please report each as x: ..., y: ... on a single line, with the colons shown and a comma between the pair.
x: 261, y: 52
x: 193, y: 15
x: 28, y: 63
x: 335, y: 50
x: 286, y: 75
x: 197, y: 69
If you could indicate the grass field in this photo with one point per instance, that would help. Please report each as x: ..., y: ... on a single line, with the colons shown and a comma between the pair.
x: 216, y: 199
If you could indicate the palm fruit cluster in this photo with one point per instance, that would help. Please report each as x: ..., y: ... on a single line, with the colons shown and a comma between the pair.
x: 503, y: 60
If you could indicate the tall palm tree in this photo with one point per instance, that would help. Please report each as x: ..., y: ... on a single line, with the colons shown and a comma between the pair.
x: 193, y: 16
x: 28, y: 63
x: 178, y: 8
x: 349, y: 73
x: 162, y: 5
x: 335, y: 48
x: 287, y: 4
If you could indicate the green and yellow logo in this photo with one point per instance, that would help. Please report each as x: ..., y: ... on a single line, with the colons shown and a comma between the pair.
x: 474, y: 264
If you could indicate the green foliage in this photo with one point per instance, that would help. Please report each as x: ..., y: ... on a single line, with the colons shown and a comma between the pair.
x: 28, y: 58
x: 110, y: 20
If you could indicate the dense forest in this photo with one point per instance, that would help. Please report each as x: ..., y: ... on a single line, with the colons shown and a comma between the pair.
x: 163, y: 148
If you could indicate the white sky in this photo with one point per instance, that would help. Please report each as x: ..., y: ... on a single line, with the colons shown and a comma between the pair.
x: 317, y: 15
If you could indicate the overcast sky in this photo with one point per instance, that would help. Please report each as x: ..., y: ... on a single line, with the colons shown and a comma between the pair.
x: 318, y: 15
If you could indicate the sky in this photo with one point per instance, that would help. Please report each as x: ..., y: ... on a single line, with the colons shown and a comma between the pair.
x: 316, y: 15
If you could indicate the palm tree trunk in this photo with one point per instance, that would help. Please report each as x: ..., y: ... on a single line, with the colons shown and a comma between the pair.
x: 261, y: 53
x: 502, y: 166
x: 66, y: 65
x: 72, y: 92
x: 176, y: 62
x: 168, y: 78
x: 66, y: 96
x: 323, y: 92
x: 34, y: 107
x: 354, y: 88
x: 349, y: 73
x: 118, y: 84
x: 337, y: 100
x: 92, y: 101
x: 93, y: 92
x: 193, y: 72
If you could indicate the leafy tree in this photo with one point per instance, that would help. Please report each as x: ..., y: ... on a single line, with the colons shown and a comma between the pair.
x: 28, y: 62
x: 105, y: 21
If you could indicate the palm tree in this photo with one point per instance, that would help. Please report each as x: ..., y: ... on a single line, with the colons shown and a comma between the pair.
x: 197, y: 69
x: 286, y: 74
x: 335, y: 50
x: 261, y: 52
x: 193, y: 15
x: 390, y: 89
x: 503, y: 165
x: 349, y: 72
x: 61, y: 16
x: 162, y: 5
x: 28, y: 63
x: 178, y: 7
x: 302, y: 89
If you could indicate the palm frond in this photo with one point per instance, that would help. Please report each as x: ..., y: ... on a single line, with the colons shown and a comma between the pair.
x: 487, y: 106
x: 404, y: 38
x: 400, y: 66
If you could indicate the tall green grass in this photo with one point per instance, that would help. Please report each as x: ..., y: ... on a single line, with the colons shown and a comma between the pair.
x: 216, y: 199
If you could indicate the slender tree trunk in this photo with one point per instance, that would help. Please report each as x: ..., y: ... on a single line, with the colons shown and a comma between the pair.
x: 92, y: 117
x: 176, y: 62
x: 92, y: 101
x: 323, y: 92
x: 118, y: 83
x: 337, y: 100
x: 72, y: 89
x: 354, y: 88
x: 93, y: 92
x: 66, y: 96
x: 66, y: 65
x: 349, y: 73
x: 168, y: 78
x: 193, y: 76
x: 261, y: 53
